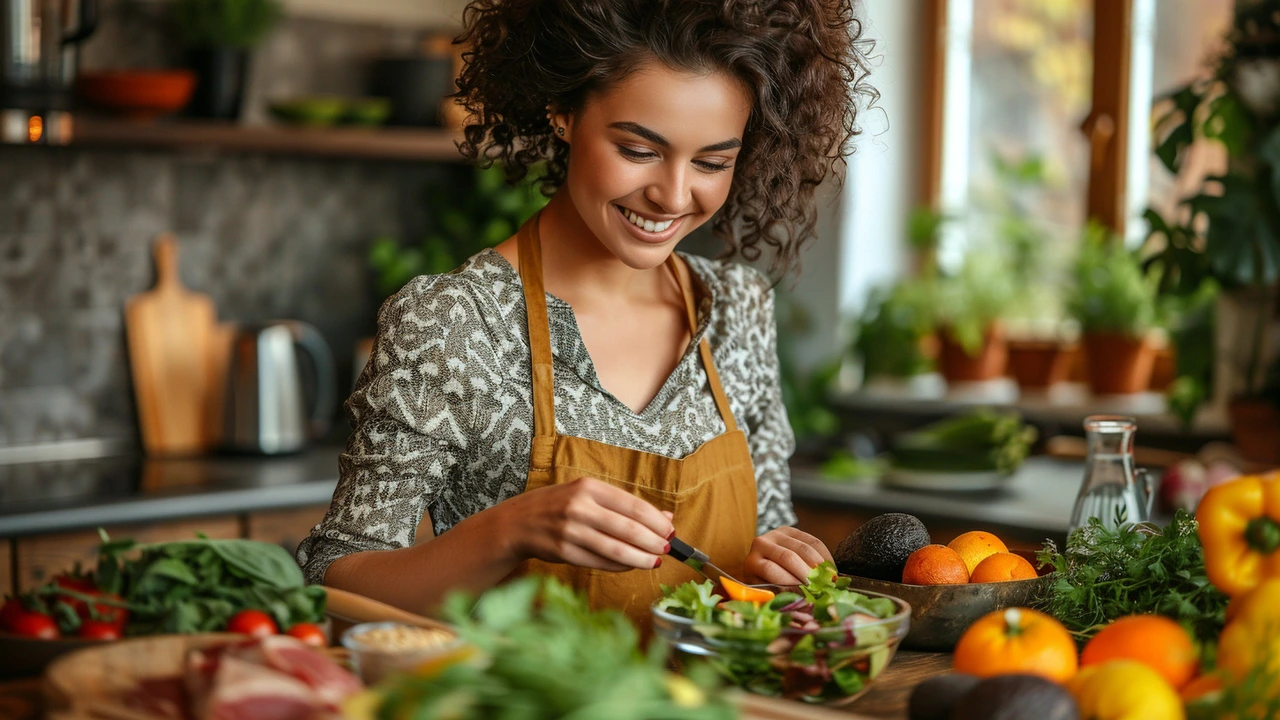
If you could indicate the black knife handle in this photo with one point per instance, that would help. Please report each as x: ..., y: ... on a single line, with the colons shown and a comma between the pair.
x: 681, y: 550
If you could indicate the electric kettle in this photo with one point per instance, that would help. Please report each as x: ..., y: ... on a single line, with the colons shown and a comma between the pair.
x: 38, y: 62
x: 266, y: 410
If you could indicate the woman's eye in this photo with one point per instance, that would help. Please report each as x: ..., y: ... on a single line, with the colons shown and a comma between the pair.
x: 635, y: 154
x: 712, y: 166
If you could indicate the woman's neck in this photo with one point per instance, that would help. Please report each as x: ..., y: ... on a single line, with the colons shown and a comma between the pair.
x: 578, y: 268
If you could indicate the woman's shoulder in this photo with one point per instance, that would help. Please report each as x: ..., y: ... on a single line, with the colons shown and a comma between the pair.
x: 471, y: 293
x: 478, y: 280
x: 731, y: 283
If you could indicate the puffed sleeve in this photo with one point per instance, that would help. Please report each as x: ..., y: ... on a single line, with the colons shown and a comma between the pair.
x: 414, y: 411
x: 769, y: 434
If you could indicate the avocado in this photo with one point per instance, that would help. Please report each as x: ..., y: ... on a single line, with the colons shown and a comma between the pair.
x: 880, y: 547
x: 934, y: 698
x: 1016, y: 697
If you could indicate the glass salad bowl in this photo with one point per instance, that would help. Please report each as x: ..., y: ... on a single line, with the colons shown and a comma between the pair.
x: 819, y: 647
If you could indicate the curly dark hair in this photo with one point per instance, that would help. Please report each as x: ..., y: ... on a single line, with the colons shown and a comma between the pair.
x: 802, y: 61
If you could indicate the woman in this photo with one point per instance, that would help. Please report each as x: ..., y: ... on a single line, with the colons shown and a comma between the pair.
x: 569, y: 401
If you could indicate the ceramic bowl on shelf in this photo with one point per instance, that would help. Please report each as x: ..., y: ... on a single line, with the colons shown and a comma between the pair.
x: 830, y: 666
x: 138, y: 94
x: 311, y: 111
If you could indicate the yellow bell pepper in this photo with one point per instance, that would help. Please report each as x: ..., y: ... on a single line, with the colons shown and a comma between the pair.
x: 1251, y: 640
x: 1240, y: 531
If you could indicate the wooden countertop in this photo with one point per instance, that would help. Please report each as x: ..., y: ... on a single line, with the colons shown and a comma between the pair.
x: 886, y: 700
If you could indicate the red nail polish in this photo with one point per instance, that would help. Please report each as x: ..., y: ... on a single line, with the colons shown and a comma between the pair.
x: 666, y: 550
x: 671, y: 534
x: 657, y: 564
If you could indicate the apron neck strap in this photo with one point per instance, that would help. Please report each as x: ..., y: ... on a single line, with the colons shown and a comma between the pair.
x: 681, y: 271
x: 535, y: 301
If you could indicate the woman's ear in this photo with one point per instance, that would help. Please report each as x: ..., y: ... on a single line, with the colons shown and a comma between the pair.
x: 562, y: 126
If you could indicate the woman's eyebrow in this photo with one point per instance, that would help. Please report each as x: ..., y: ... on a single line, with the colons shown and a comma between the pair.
x: 653, y: 137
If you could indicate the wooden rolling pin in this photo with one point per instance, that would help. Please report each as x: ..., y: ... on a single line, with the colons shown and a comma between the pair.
x: 354, y: 609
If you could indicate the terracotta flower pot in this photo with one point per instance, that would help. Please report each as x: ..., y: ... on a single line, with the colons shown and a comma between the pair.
x: 1038, y: 365
x: 1165, y: 369
x: 1118, y: 364
x: 989, y: 363
x: 1255, y: 427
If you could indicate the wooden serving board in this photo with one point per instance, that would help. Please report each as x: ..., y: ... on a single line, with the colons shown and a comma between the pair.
x: 85, y: 684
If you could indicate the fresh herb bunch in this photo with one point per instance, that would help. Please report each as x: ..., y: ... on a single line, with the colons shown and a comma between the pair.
x: 1106, y: 574
x: 197, y: 585
x: 225, y: 23
x: 546, y: 655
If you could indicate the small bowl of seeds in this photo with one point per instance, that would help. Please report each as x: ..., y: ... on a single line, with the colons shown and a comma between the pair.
x: 380, y: 649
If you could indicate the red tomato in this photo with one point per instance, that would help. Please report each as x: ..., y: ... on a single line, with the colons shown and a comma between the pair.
x: 99, y: 630
x: 252, y: 622
x: 34, y: 624
x: 309, y: 633
x: 10, y: 613
x: 107, y: 613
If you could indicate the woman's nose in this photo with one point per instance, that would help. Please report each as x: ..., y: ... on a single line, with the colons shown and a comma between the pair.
x: 671, y: 189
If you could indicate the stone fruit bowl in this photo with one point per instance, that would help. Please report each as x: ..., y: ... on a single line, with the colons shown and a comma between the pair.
x: 941, y: 613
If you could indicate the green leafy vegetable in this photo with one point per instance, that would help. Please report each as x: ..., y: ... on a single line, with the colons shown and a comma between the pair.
x: 982, y: 440
x: 1106, y: 574
x: 197, y: 585
x: 547, y: 655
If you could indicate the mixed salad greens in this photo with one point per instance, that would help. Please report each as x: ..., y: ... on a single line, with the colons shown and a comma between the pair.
x: 822, y: 644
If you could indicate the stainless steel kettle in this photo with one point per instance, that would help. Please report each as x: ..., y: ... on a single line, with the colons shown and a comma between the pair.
x: 265, y: 409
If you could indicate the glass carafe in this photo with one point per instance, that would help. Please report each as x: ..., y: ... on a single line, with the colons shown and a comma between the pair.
x: 1112, y: 490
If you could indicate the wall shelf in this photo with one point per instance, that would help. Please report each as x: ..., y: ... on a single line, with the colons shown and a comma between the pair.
x: 392, y: 143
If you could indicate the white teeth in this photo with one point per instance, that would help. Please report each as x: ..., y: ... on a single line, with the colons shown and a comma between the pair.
x: 646, y: 225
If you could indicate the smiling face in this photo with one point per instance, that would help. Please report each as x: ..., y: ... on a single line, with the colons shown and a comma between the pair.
x: 652, y: 158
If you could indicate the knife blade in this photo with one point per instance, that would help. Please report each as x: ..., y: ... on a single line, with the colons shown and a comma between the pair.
x: 698, y: 560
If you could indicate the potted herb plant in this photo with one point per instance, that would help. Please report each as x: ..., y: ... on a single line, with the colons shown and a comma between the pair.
x: 970, y: 308
x: 1115, y: 302
x: 219, y: 36
x: 472, y: 210
x: 1041, y: 342
x: 1228, y: 230
x: 891, y: 335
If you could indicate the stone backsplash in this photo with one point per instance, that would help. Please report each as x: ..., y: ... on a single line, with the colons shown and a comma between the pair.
x: 264, y: 236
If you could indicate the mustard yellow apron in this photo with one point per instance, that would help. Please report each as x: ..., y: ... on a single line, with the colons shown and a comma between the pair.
x: 711, y: 492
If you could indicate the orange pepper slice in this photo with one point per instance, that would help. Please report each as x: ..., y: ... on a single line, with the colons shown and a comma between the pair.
x: 738, y: 591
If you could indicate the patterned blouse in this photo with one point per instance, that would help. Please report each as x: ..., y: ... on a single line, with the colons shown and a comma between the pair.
x: 443, y: 412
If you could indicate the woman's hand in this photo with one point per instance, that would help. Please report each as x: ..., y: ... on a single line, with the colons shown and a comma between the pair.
x: 587, y: 523
x: 784, y: 556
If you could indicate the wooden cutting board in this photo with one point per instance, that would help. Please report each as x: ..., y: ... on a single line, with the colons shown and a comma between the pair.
x: 175, y: 352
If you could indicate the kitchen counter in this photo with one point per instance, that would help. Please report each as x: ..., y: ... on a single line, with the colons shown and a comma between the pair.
x: 41, y: 498
x: 1034, y: 504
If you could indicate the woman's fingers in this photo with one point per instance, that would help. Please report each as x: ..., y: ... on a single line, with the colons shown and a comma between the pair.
x: 759, y: 569
x: 629, y: 506
x: 818, y: 546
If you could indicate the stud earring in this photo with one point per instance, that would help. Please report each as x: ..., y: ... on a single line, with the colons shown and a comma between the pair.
x: 560, y: 131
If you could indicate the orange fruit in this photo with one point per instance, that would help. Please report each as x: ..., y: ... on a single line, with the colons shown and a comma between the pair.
x: 1153, y: 640
x: 1003, y: 567
x: 935, y: 565
x: 1016, y: 640
x: 738, y: 591
x: 977, y: 546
